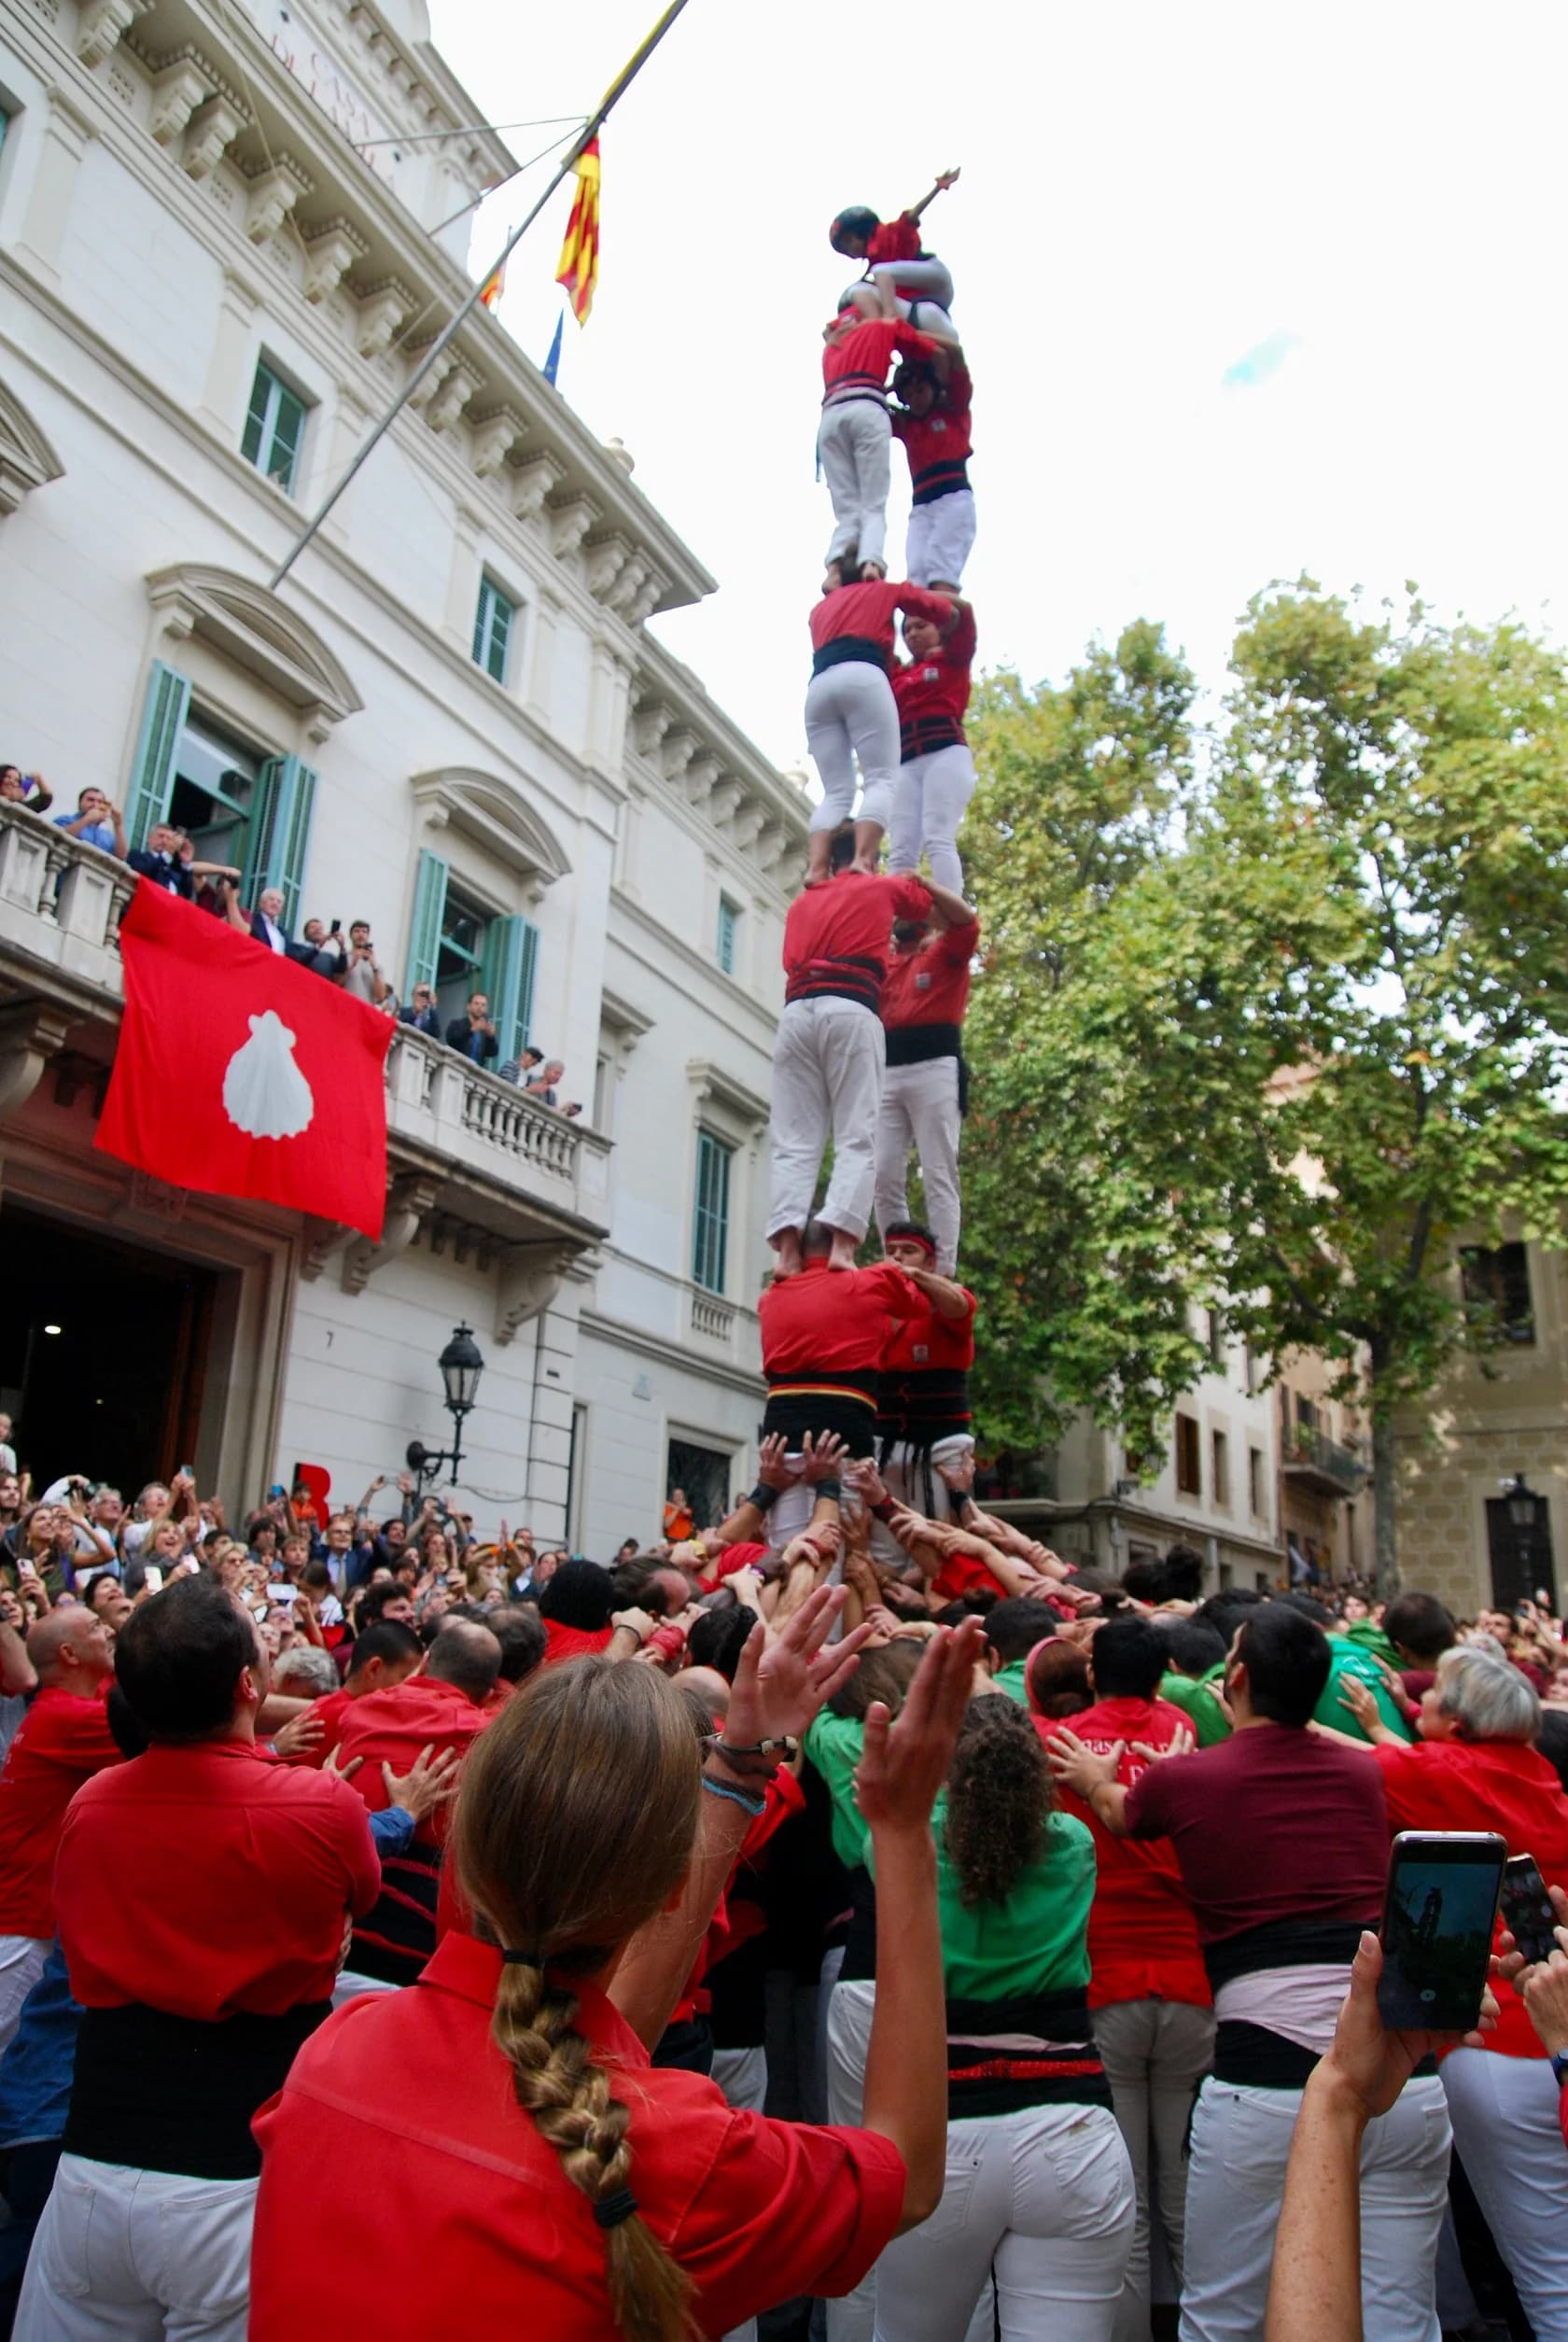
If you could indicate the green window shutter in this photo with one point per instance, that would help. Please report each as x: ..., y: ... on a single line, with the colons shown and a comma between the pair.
x: 152, y: 778
x: 277, y: 839
x: 507, y: 975
x: 430, y: 909
x: 256, y: 417
x: 710, y: 1220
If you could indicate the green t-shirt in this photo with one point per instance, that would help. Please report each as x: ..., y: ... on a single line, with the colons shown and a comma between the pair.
x: 1011, y: 1680
x: 1347, y: 1658
x: 833, y: 1744
x: 1371, y: 1638
x: 1037, y: 1941
x: 1202, y: 1712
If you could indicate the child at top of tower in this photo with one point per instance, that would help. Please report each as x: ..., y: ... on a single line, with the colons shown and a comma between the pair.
x: 900, y: 278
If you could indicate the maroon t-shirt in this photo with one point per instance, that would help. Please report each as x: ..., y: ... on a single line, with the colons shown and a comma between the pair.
x: 1272, y: 1824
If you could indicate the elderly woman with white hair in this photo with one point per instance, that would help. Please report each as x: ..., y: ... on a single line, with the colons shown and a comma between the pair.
x: 1476, y: 1766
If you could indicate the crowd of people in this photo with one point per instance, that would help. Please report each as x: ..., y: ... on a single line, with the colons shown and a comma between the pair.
x: 849, y: 1900
x: 347, y: 959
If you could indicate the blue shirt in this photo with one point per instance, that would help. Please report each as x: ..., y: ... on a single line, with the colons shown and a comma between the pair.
x: 36, y: 2070
x: 96, y: 832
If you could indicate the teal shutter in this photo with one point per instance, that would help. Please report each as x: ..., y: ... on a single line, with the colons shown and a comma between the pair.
x: 430, y: 909
x: 507, y: 977
x: 710, y: 1219
x: 152, y: 775
x: 277, y: 838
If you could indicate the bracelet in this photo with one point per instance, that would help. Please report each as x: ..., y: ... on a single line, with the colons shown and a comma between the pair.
x: 753, y: 1805
x: 831, y: 1488
x: 781, y: 1750
x: 763, y: 1497
x: 884, y: 1512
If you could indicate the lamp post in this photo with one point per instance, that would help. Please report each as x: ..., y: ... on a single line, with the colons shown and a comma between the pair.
x: 461, y: 1367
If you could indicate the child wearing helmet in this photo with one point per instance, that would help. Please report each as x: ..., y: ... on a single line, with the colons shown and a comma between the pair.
x: 900, y: 279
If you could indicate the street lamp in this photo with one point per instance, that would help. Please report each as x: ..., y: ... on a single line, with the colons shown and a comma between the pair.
x: 1522, y: 1501
x: 461, y: 1367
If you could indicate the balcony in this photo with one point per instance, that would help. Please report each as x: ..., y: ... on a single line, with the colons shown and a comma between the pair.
x: 1326, y: 1466
x: 709, y: 1318
x: 466, y: 1150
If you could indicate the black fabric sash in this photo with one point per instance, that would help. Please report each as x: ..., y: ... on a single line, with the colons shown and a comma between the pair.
x: 921, y: 735
x: 1283, y: 1943
x: 918, y: 1044
x: 849, y: 650
x: 992, y: 2079
x: 827, y: 1407
x: 938, y: 480
x: 162, y: 2093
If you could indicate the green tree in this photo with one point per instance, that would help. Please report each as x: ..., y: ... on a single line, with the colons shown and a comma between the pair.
x: 1312, y: 1039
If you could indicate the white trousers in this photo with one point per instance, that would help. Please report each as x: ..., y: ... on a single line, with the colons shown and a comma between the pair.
x: 1505, y: 2128
x: 1155, y: 2053
x: 941, y: 538
x: 742, y: 2075
x: 1042, y: 2200
x: 904, y: 1479
x: 855, y: 448
x: 920, y: 1109
x: 852, y: 2318
x: 851, y: 716
x: 930, y: 796
x: 827, y: 1079
x: 21, y: 1964
x: 138, y: 2256
x: 1236, y: 2176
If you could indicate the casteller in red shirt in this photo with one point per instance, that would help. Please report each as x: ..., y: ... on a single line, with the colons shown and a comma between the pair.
x: 864, y: 614
x: 939, y: 443
x: 410, y: 2093
x: 837, y: 936
x: 932, y: 694
x: 392, y: 1727
x: 824, y: 1334
x: 859, y: 361
x: 61, y: 1741
x: 1142, y: 1936
x: 930, y: 985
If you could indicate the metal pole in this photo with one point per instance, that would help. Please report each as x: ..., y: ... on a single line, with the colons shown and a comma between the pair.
x: 590, y: 129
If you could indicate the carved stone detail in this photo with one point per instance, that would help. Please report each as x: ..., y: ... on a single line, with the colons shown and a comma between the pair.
x: 30, y: 1032
x: 570, y: 519
x: 651, y: 720
x: 382, y: 307
x: 529, y: 1282
x: 177, y: 93
x: 604, y: 558
x: 212, y: 129
x: 273, y: 195
x: 493, y: 437
x: 330, y: 254
x: 533, y: 481
x: 409, y: 1201
x: 458, y: 385
x: 102, y: 24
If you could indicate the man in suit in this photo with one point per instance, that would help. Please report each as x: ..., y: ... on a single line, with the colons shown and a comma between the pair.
x: 422, y: 1012
x: 474, y: 1033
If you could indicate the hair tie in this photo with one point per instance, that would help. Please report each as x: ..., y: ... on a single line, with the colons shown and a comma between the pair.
x: 614, y: 2209
x: 524, y: 1959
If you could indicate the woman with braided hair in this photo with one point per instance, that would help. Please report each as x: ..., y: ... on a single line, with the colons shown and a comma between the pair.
x: 516, y: 2164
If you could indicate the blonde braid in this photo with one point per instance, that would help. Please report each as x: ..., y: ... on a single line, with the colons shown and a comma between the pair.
x: 557, y: 2082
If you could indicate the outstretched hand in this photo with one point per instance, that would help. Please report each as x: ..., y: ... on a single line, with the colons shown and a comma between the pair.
x: 903, y: 1765
x: 1365, y: 2059
x: 779, y: 1684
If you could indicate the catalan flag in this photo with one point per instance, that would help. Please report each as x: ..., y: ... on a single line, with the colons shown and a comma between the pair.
x: 579, y: 271
x: 495, y: 285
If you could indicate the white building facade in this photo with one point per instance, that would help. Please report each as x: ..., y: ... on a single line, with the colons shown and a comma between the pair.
x: 222, y: 253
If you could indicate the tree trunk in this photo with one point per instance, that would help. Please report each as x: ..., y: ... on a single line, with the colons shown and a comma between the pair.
x: 1385, y: 1534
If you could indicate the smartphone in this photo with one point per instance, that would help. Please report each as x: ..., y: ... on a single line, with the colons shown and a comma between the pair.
x: 1439, y: 1916
x: 153, y: 1578
x: 335, y: 926
x: 1527, y: 1908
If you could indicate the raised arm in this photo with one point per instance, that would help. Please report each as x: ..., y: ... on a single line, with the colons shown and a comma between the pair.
x: 944, y: 179
x: 947, y: 1297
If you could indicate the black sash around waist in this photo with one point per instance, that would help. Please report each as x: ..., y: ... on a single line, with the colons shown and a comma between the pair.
x: 936, y: 480
x: 985, y: 2077
x: 918, y: 1044
x: 162, y: 2093
x: 397, y: 1934
x: 850, y: 978
x: 922, y: 735
x: 1252, y: 2056
x: 923, y: 1404
x: 848, y: 651
x: 843, y: 1400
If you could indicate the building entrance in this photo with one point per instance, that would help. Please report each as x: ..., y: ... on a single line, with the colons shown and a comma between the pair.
x: 104, y: 1350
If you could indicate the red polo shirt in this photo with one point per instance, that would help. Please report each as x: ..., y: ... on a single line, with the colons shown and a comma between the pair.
x: 917, y: 1343
x: 834, y: 1320
x: 332, y: 1707
x: 562, y: 1643
x: 462, y: 2215
x: 894, y: 240
x: 393, y: 1727
x: 1501, y: 1784
x: 850, y: 919
x: 1142, y: 1936
x: 867, y: 611
x: 929, y: 986
x: 939, y: 444
x: 859, y: 360
x: 932, y: 694
x: 61, y: 1741
x: 204, y: 1882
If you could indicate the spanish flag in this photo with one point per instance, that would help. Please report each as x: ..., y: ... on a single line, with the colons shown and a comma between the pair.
x: 579, y: 270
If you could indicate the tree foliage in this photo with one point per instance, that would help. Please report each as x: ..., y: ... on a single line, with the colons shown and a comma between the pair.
x: 1273, y: 1033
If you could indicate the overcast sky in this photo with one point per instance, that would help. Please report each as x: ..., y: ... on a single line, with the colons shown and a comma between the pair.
x: 1246, y: 291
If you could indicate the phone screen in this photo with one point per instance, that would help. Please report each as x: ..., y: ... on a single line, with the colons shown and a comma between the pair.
x: 154, y: 1579
x: 1438, y: 1915
x: 1527, y: 1908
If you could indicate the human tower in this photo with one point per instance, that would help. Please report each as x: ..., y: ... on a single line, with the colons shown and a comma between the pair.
x: 876, y: 958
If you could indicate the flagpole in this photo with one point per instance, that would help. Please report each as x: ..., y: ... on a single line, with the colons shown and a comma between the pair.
x: 590, y: 129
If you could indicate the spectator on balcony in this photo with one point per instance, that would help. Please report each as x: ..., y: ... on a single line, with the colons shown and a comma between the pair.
x: 543, y: 1088
x: 264, y: 925
x: 422, y: 1012
x: 28, y: 789
x: 167, y: 861
x: 96, y: 822
x: 523, y: 1067
x: 359, y: 970
x: 573, y: 1109
x: 474, y: 1033
x: 313, y: 949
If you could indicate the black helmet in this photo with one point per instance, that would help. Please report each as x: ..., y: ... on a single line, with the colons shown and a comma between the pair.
x: 859, y: 221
